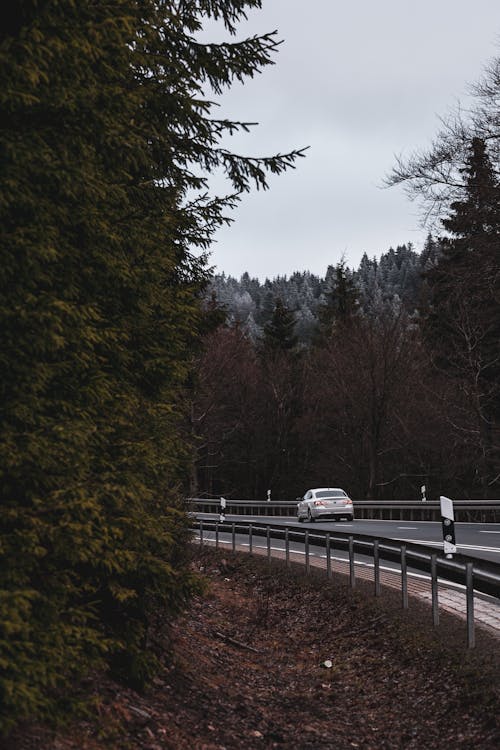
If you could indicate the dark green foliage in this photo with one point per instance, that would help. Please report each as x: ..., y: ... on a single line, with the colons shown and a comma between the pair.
x: 347, y: 302
x: 214, y: 315
x: 279, y: 333
x: 463, y: 313
x: 102, y: 119
x: 342, y: 303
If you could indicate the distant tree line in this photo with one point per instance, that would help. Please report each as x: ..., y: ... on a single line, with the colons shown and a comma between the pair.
x: 380, y: 379
x: 392, y: 281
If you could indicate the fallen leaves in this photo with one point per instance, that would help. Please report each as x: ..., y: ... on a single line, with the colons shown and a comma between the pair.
x: 277, y: 661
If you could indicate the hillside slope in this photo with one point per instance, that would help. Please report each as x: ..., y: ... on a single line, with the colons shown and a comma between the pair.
x: 249, y: 673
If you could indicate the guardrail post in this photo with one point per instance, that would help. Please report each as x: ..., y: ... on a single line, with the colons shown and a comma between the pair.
x: 250, y: 539
x: 376, y: 567
x: 201, y: 532
x: 434, y: 590
x: 328, y: 556
x: 352, y: 579
x: 287, y: 548
x: 233, y: 535
x: 216, y: 535
x: 306, y: 548
x: 404, y: 578
x: 469, y: 580
x: 268, y: 535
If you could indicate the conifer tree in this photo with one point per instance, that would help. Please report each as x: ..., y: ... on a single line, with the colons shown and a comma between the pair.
x: 106, y: 134
x: 279, y: 332
x: 346, y: 302
x: 463, y: 322
x: 342, y: 303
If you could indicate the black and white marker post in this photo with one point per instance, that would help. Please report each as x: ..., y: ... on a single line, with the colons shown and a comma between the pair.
x: 222, y: 516
x: 448, y: 524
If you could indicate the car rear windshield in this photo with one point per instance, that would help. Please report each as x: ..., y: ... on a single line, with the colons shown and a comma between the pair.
x: 331, y: 493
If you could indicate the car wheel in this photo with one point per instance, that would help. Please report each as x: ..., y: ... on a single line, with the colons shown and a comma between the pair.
x: 309, y: 516
x: 299, y: 519
x: 350, y: 518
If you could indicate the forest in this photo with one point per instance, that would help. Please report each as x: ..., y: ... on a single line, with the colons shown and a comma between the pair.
x: 379, y: 380
x: 394, y: 279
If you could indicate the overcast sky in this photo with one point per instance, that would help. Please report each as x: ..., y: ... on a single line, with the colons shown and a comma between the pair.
x: 359, y: 82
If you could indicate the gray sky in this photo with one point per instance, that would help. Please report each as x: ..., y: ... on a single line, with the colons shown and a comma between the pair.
x: 359, y: 82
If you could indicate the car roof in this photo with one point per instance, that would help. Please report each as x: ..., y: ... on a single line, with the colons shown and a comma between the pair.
x: 326, y: 489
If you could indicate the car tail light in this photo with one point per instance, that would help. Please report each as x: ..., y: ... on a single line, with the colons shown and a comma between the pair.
x: 319, y: 502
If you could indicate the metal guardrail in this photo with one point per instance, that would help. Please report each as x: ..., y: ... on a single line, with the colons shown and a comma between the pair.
x: 471, y: 511
x: 473, y: 574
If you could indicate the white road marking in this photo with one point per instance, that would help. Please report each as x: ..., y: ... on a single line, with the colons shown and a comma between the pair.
x: 421, y: 541
x: 488, y: 532
x: 462, y: 546
x: 408, y: 528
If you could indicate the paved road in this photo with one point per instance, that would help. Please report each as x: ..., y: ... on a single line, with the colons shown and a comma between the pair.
x: 480, y: 540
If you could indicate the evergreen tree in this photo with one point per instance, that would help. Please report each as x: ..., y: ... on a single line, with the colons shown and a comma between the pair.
x: 346, y: 297
x: 463, y: 321
x: 475, y: 220
x: 279, y: 332
x: 341, y: 304
x: 103, y: 118
x: 430, y: 253
x: 214, y: 315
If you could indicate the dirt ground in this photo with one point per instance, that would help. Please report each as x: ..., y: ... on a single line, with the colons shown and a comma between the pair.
x: 271, y: 659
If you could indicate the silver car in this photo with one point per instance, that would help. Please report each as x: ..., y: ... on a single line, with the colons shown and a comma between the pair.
x: 325, y: 503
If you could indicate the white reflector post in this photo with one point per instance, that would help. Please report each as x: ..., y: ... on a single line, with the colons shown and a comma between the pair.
x: 448, y: 525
